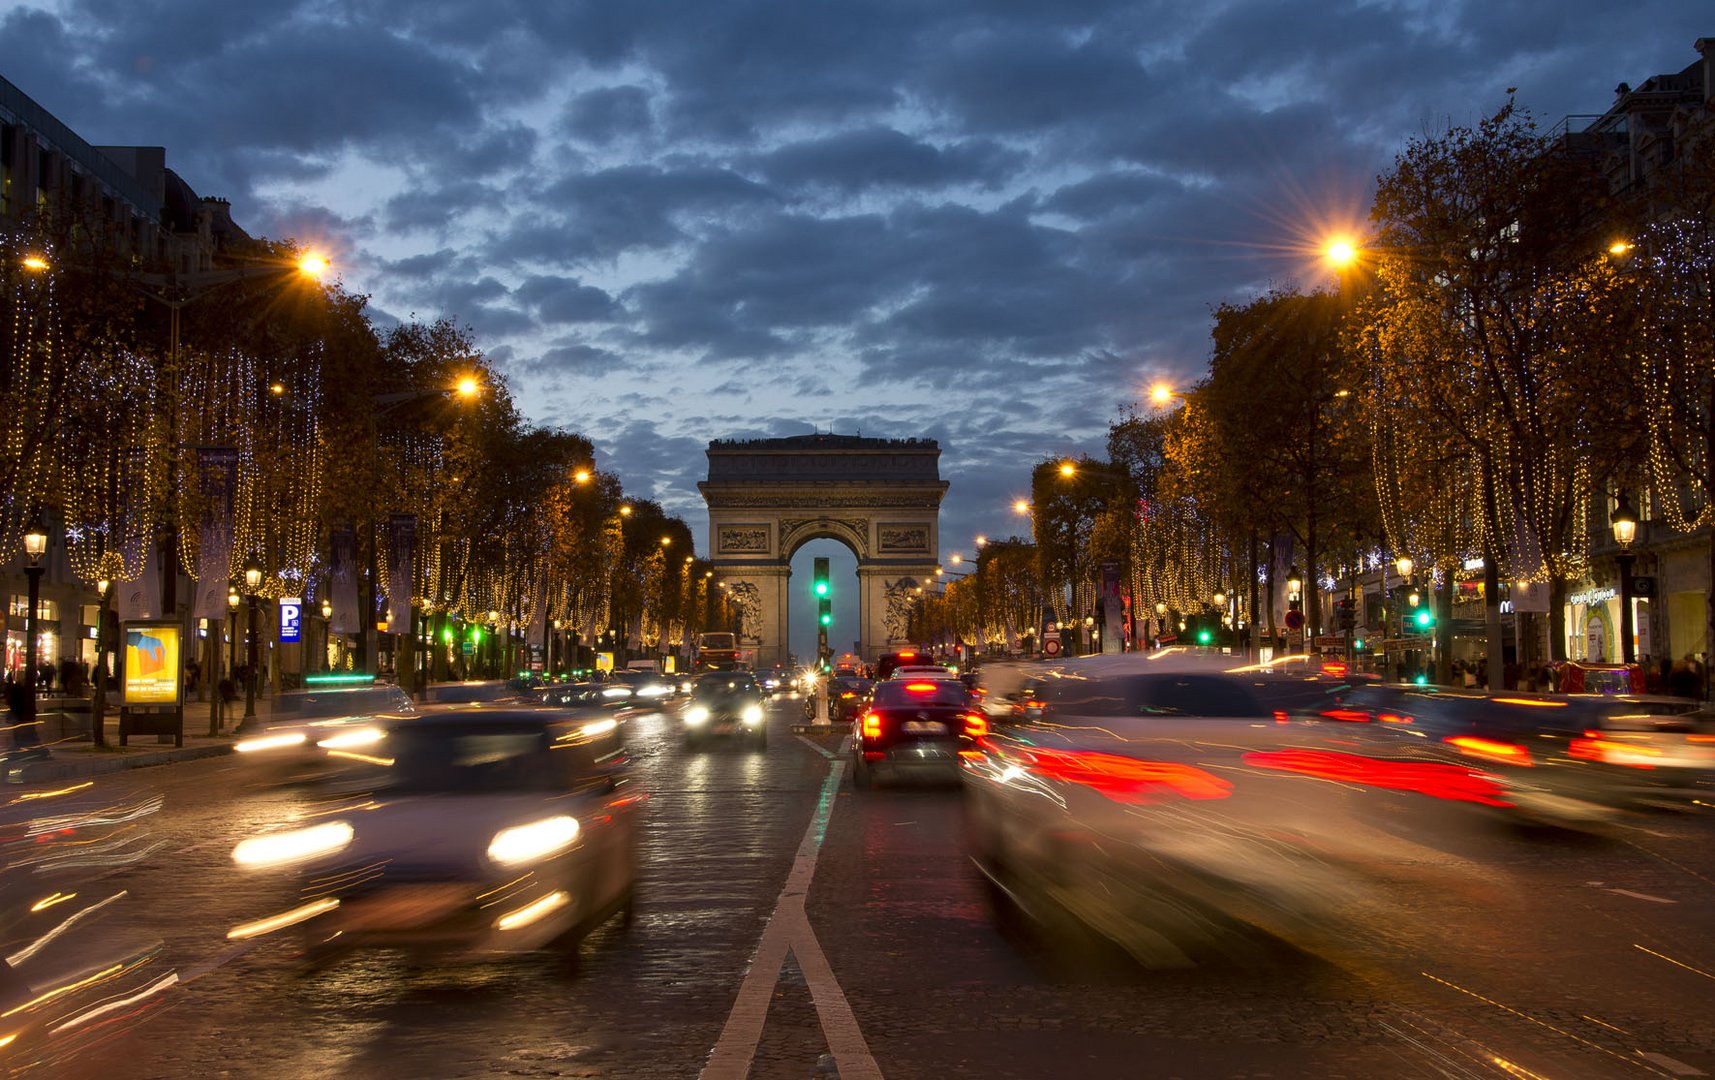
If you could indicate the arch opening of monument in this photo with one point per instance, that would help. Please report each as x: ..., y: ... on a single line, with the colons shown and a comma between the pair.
x: 768, y: 498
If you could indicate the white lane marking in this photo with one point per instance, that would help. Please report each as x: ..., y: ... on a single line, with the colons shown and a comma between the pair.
x: 1643, y: 896
x: 789, y: 930
x: 1672, y: 1065
x: 817, y: 747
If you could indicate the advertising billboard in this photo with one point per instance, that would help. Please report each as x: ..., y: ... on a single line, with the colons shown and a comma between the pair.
x: 154, y: 666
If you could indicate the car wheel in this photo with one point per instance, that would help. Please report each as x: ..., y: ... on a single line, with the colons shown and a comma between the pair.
x: 861, y: 776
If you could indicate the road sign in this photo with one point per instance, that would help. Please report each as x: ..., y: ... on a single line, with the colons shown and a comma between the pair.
x: 1295, y: 619
x: 1051, y: 643
x: 291, y: 619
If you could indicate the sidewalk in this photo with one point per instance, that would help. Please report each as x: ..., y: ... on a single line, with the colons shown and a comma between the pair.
x: 71, y: 758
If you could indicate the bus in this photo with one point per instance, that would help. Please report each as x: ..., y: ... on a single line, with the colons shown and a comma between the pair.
x: 717, y: 652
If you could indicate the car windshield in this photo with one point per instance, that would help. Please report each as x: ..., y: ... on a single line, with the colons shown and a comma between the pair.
x: 723, y: 684
x: 439, y: 758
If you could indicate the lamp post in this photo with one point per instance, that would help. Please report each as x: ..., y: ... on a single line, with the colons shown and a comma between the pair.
x: 1624, y: 519
x: 232, y: 602
x: 327, y: 633
x: 1405, y: 565
x: 252, y: 585
x: 35, y: 546
x: 1294, y: 598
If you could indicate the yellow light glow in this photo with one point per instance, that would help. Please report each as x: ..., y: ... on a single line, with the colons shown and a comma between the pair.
x: 272, y: 923
x: 50, y: 900
x: 1618, y: 247
x: 271, y: 742
x: 530, y: 913
x: 981, y: 540
x: 276, y: 388
x: 666, y: 541
x: 276, y: 849
x: 35, y: 263
x: 1341, y: 252
x: 1021, y: 507
x: 313, y: 265
x: 364, y: 736
x: 1067, y: 468
x: 582, y: 476
x: 53, y: 794
x: 61, y: 991
x: 535, y: 841
x: 956, y: 558
x: 468, y: 387
x: 625, y: 511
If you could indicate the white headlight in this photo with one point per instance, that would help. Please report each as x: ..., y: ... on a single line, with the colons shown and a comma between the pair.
x: 616, y: 692
x: 696, y: 714
x: 752, y: 714
x: 271, y: 742
x: 537, y: 840
x: 656, y: 690
x: 277, y: 849
x: 364, y: 736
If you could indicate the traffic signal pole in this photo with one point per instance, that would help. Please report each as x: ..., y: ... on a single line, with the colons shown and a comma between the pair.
x: 824, y: 619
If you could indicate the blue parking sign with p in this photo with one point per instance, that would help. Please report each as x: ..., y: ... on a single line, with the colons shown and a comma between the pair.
x: 291, y: 619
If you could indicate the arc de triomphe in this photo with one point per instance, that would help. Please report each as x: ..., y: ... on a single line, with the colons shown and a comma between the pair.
x: 769, y: 497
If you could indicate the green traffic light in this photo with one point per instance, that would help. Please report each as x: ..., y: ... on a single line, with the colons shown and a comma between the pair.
x: 1358, y: 645
x: 1204, y: 637
x: 827, y: 620
x: 1425, y: 618
x: 821, y: 588
x: 1421, y: 680
x: 476, y: 634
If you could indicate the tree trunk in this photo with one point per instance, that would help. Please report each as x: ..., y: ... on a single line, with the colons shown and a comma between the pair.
x: 1444, y: 630
x: 1492, y: 623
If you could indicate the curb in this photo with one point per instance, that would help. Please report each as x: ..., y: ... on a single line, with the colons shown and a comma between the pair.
x: 55, y: 769
x: 818, y: 729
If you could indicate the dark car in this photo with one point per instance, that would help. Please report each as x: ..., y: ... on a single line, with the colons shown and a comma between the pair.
x: 1564, y: 758
x: 848, y: 696
x: 914, y: 729
x: 474, y: 832
x: 725, y: 703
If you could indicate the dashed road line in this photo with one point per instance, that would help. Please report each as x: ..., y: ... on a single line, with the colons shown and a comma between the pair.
x: 1643, y: 896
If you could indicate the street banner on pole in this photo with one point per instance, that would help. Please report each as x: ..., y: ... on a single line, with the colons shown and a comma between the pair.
x: 401, y: 563
x: 1113, y: 610
x: 139, y: 599
x: 217, y: 487
x: 538, y: 614
x: 342, y: 576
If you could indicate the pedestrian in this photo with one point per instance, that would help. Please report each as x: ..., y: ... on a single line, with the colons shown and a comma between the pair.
x: 1682, y: 681
x: 18, y: 706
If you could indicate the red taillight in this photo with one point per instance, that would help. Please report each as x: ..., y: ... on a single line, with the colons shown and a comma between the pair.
x: 1393, y: 718
x: 920, y: 687
x: 976, y: 725
x: 1504, y: 752
x: 1611, y: 751
x: 1351, y: 716
x: 1336, y: 669
x: 1280, y: 717
x: 872, y: 725
x: 907, y: 655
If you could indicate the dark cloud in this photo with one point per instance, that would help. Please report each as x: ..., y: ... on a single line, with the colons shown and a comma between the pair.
x: 556, y: 299
x: 882, y: 157
x: 613, y: 112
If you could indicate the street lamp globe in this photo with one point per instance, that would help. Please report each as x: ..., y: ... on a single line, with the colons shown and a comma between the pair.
x: 35, y: 539
x: 327, y: 609
x: 1625, y: 522
x: 1021, y: 507
x: 1161, y: 607
x: 1294, y: 583
x: 252, y: 574
x: 1220, y: 599
x: 232, y: 598
x: 1405, y: 565
x: 1067, y: 468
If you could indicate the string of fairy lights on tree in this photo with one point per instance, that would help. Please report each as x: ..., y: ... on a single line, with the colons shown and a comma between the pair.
x: 1676, y: 275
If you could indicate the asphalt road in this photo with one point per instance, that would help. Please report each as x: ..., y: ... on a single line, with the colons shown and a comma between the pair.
x: 789, y: 926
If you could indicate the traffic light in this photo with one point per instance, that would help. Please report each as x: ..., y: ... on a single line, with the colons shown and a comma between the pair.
x: 819, y: 585
x: 1423, y: 619
x: 1205, y: 636
x: 825, y: 613
x: 1348, y: 612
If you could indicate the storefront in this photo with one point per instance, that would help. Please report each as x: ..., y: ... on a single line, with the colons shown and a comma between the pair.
x: 1593, y: 625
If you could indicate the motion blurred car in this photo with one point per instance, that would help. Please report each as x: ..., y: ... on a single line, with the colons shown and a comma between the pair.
x: 646, y: 686
x: 471, y: 833
x: 848, y: 696
x: 1557, y: 757
x: 1191, y: 809
x: 593, y: 695
x: 773, y: 680
x: 304, y: 724
x: 914, y: 729
x: 724, y: 704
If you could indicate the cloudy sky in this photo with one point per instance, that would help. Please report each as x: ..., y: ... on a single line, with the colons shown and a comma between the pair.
x: 989, y: 222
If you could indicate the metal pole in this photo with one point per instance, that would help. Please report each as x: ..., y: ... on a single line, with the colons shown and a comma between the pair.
x: 248, y: 723
x: 26, y: 734
x: 213, y: 657
x: 1626, y: 559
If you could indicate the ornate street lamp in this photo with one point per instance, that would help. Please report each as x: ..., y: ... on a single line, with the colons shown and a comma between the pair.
x: 35, y: 546
x: 327, y: 632
x: 1624, y: 519
x: 1405, y: 565
x: 1294, y: 585
x: 252, y: 585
